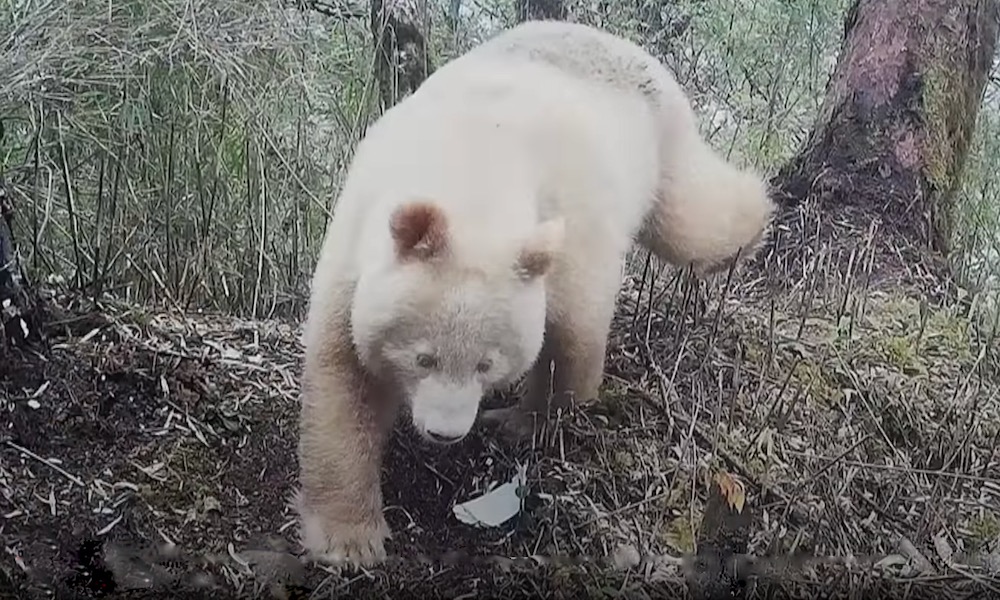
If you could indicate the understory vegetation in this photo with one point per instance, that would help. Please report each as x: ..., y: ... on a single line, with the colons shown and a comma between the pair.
x: 172, y: 164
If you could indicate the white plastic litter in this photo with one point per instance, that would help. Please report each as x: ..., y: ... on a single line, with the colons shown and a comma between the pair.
x: 495, y: 506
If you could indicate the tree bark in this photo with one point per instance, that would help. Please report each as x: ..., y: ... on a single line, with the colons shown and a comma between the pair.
x: 9, y: 271
x: 536, y: 10
x: 900, y: 108
x: 401, y: 60
x: 332, y: 8
x: 662, y: 23
x: 18, y: 306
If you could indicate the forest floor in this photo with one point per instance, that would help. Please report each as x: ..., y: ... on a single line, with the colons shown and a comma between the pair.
x: 152, y: 454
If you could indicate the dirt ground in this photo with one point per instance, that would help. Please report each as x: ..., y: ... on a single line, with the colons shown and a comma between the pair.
x: 151, y: 454
x: 143, y: 451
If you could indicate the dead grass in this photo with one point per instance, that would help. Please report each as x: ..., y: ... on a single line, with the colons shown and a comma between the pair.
x: 861, y: 419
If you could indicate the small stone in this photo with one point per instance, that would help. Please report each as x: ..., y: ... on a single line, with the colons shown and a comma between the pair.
x: 626, y: 557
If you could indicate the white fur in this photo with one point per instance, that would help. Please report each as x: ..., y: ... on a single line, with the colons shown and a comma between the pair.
x: 500, y: 147
x: 553, y: 140
x: 445, y: 409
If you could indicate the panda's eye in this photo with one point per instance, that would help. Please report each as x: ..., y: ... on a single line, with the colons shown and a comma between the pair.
x: 426, y: 361
x: 484, y: 365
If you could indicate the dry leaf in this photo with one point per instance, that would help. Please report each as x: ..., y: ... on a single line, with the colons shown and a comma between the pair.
x: 918, y: 560
x: 732, y: 490
x: 943, y: 548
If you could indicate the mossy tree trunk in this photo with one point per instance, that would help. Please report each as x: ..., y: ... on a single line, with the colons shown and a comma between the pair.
x: 894, y: 129
x: 401, y: 59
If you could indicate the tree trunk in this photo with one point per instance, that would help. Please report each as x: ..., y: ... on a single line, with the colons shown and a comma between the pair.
x: 9, y: 271
x: 894, y: 129
x: 532, y: 10
x: 401, y: 60
x: 9, y: 280
x: 18, y: 307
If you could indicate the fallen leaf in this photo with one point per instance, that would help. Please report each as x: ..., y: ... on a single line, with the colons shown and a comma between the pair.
x: 943, y: 548
x: 732, y: 490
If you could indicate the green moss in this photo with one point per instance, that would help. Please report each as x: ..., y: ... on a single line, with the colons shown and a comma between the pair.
x: 945, y: 104
x: 900, y: 353
x: 679, y: 533
x: 947, y: 335
x: 612, y: 402
x: 755, y: 353
x: 623, y: 460
x: 612, y: 392
x: 681, y: 518
x: 898, y: 350
x: 679, y: 498
x: 895, y: 335
x: 983, y: 530
x: 892, y: 314
x: 142, y: 318
x: 938, y: 100
x: 756, y: 466
x: 815, y: 377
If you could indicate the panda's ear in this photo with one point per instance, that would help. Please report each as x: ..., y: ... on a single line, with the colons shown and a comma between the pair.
x: 419, y: 230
